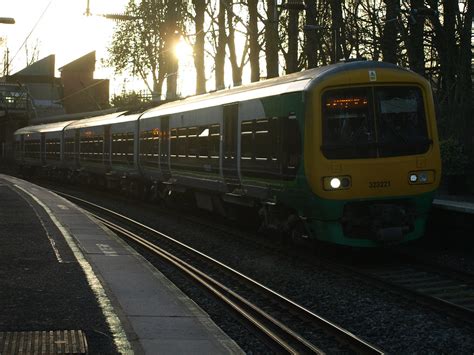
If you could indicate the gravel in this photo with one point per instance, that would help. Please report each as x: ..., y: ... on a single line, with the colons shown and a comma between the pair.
x: 389, y: 322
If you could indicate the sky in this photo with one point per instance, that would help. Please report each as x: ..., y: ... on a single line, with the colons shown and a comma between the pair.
x: 61, y: 29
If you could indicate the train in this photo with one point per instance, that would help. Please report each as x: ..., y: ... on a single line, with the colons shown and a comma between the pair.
x: 346, y: 153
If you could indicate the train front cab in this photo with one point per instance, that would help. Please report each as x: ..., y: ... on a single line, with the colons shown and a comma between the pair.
x: 375, y: 162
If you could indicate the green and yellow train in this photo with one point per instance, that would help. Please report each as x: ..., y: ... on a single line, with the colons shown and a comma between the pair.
x: 347, y: 153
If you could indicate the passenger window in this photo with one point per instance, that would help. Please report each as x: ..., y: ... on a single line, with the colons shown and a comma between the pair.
x: 214, y: 141
x: 270, y: 147
x: 192, y: 142
x: 174, y: 143
x: 203, y: 141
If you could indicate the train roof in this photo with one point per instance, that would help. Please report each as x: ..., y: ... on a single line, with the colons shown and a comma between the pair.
x: 116, y: 117
x: 43, y: 128
x: 294, y: 82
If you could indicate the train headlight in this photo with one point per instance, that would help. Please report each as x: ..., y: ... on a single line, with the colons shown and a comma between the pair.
x: 335, y: 183
x: 421, y: 177
x: 413, y: 178
x: 331, y: 183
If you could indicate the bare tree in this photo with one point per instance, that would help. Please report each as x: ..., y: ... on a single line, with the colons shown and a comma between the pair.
x: 271, y: 39
x: 144, y: 46
x: 221, y: 45
x: 33, y: 55
x: 198, y: 48
x: 237, y: 66
x: 254, y: 47
x: 389, y: 39
x: 312, y: 34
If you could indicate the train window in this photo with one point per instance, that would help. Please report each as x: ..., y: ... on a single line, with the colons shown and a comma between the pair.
x: 52, y: 149
x: 122, y: 148
x: 192, y: 142
x: 270, y: 147
x: 149, y: 147
x: 401, y: 122
x: 263, y: 140
x: 373, y: 122
x: 348, y: 130
x: 203, y: 141
x: 214, y: 141
x: 69, y: 148
x: 129, y: 145
x: 18, y: 145
x: 247, y: 138
x: 195, y: 148
x: 181, y: 142
x: 91, y: 146
x: 32, y: 148
x: 174, y: 143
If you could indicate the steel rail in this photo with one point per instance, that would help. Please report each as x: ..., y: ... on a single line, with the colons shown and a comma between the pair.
x: 355, y: 343
x: 238, y: 303
x: 409, y: 286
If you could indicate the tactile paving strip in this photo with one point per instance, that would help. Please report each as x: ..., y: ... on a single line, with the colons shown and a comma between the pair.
x: 43, y: 342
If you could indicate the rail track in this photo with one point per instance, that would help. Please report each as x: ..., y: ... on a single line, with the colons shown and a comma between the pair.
x: 283, y: 324
x: 444, y: 289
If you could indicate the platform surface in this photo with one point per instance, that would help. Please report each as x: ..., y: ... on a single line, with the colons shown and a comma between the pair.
x: 103, y: 280
x: 463, y: 204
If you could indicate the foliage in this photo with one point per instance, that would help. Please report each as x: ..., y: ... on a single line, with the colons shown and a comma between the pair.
x: 129, y: 100
x: 141, y: 46
x: 455, y: 161
x: 431, y: 37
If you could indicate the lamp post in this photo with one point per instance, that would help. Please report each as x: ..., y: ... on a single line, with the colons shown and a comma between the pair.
x: 7, y: 20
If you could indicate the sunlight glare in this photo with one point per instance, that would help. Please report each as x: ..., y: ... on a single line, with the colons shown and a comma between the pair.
x: 183, y: 49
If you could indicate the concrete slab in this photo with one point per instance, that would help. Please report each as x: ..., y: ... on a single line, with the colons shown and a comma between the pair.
x: 458, y: 206
x: 158, y: 316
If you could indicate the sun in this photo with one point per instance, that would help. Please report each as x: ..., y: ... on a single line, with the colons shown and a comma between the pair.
x: 186, y: 75
x: 183, y: 49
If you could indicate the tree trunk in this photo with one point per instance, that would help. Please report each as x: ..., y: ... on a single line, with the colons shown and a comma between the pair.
x: 292, y: 55
x: 171, y: 39
x: 464, y: 92
x: 416, y: 55
x: 337, y: 29
x: 221, y: 44
x: 271, y: 40
x: 311, y: 34
x: 199, y: 8
x: 254, y: 54
x: 236, y: 69
x: 389, y: 39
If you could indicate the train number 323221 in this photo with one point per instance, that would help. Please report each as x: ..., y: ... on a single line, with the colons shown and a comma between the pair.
x: 378, y: 184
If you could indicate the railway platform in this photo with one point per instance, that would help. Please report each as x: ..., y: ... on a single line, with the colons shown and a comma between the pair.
x: 463, y: 204
x: 69, y: 285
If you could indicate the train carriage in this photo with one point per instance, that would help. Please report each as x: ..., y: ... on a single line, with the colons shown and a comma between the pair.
x: 346, y: 153
x: 41, y: 145
x: 224, y: 142
x: 87, y: 144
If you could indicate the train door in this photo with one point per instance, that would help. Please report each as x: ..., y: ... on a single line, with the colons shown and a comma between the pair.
x: 165, y: 148
x: 229, y: 146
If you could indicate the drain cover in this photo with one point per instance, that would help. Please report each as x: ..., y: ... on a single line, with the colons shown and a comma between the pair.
x: 43, y: 342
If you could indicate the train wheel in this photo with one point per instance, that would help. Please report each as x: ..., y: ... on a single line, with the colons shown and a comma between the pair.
x: 298, y: 233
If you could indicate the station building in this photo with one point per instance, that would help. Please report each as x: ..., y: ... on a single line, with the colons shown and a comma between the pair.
x: 35, y: 95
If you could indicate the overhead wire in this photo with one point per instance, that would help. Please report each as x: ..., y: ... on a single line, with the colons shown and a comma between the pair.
x: 31, y: 32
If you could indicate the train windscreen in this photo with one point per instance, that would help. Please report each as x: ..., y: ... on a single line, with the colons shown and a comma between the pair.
x: 370, y: 122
